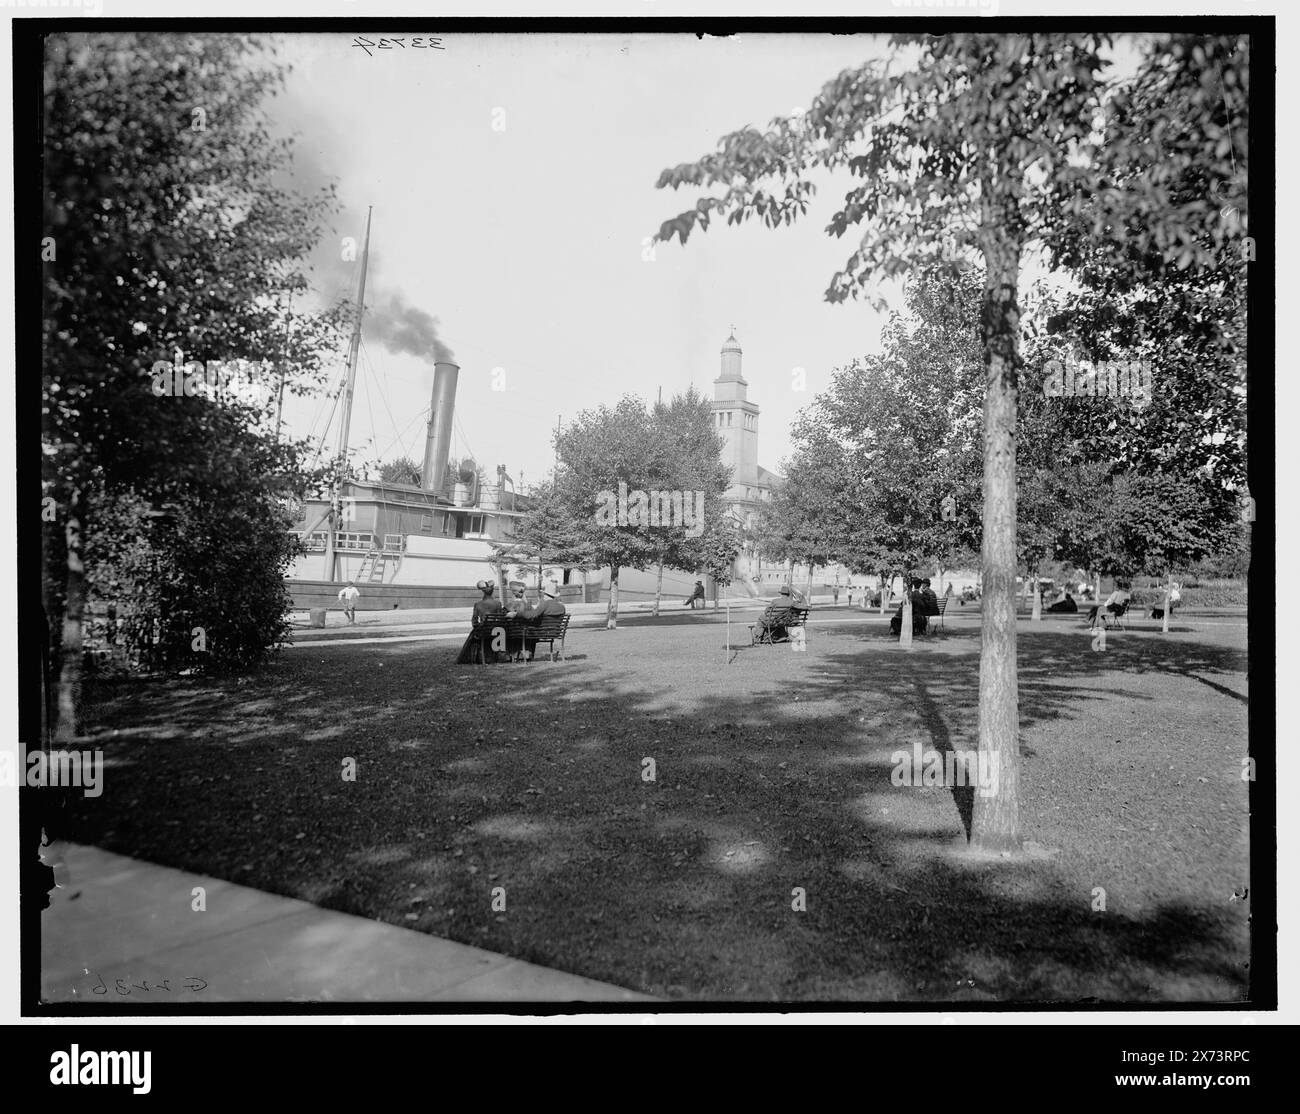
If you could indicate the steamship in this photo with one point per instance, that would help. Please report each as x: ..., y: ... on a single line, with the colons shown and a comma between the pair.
x: 410, y: 545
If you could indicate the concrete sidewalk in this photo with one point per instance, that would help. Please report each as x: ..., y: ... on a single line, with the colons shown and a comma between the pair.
x: 118, y: 928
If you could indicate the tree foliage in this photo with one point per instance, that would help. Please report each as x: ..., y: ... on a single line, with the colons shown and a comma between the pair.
x: 609, y: 454
x: 972, y: 149
x: 171, y: 236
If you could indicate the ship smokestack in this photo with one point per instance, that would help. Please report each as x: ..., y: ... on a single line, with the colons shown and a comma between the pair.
x: 433, y: 476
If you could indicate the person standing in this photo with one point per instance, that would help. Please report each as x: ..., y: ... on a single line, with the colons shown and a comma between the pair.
x: 349, y: 597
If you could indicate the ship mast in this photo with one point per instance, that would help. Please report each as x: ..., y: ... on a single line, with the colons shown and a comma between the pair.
x: 345, y: 424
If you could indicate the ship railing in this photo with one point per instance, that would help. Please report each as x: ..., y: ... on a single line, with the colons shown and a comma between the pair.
x: 346, y: 540
x: 394, y: 543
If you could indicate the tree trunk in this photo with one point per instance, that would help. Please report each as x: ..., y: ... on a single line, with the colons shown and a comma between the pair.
x: 499, y: 567
x: 995, y: 824
x: 885, y: 586
x: 811, y: 569
x: 1169, y: 588
x: 1037, y: 615
x: 659, y: 587
x: 1098, y: 591
x: 611, y: 612
x: 68, y: 721
x: 905, y: 627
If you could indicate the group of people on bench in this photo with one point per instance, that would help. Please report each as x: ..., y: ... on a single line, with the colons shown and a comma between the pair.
x: 489, y: 608
x: 925, y: 604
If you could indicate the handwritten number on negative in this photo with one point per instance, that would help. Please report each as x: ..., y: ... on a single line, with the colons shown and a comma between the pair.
x: 417, y: 43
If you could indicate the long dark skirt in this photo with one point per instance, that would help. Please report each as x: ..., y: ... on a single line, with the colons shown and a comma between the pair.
x: 478, y: 647
x: 469, y: 651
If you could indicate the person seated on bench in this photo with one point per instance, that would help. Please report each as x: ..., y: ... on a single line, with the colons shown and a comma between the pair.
x: 920, y: 621
x: 1114, y: 603
x: 487, y: 608
x: 1066, y: 604
x: 1174, y: 597
x: 550, y: 605
x: 929, y: 600
x: 698, y: 594
x: 772, y: 625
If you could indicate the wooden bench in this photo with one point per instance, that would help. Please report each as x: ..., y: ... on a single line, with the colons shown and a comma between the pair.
x: 759, y: 634
x: 521, y: 632
x: 943, y: 606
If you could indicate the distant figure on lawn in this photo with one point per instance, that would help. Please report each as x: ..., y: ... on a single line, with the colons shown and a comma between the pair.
x: 349, y: 597
x: 486, y: 608
x: 698, y: 594
x: 776, y: 616
x: 1114, y: 604
x: 1066, y: 604
x: 550, y: 605
x: 1175, y: 595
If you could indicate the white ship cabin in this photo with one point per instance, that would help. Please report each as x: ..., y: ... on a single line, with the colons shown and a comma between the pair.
x: 393, y: 533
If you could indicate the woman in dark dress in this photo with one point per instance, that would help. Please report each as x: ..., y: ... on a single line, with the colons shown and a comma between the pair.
x: 484, y: 610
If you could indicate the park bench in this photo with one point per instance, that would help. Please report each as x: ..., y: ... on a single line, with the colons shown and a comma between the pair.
x: 943, y: 606
x: 549, y: 629
x: 797, y: 618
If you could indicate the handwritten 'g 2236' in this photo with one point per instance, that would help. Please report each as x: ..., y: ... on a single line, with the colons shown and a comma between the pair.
x: 420, y: 42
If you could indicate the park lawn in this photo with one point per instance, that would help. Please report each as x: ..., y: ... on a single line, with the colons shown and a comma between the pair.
x: 772, y: 775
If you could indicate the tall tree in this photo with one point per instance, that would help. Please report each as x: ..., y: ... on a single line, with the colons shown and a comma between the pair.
x: 635, y: 487
x: 169, y: 231
x: 885, y: 477
x: 966, y: 148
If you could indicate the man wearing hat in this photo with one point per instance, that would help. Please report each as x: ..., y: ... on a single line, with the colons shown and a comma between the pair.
x: 549, y: 605
x: 773, y: 623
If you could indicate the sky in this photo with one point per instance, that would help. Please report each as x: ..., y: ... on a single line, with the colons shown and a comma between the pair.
x: 512, y: 180
x: 513, y: 185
